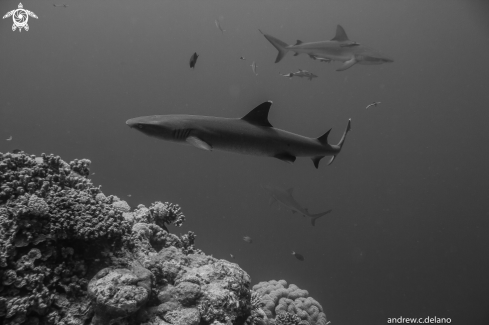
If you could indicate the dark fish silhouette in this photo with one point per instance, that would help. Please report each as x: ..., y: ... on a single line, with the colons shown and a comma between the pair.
x: 17, y: 151
x: 242, y: 58
x: 298, y: 256
x: 193, y: 60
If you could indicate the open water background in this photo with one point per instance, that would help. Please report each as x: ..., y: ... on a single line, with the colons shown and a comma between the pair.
x: 408, y: 235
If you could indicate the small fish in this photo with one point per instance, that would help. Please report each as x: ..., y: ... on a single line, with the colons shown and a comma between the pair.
x: 219, y: 26
x: 9, y: 139
x: 247, y: 239
x: 374, y: 104
x: 232, y: 256
x: 242, y: 58
x: 253, y: 67
x: 300, y: 73
x: 320, y: 59
x: 93, y: 173
x: 289, y: 75
x: 193, y: 60
x: 298, y: 256
x: 17, y: 151
x: 61, y: 5
x: 129, y: 195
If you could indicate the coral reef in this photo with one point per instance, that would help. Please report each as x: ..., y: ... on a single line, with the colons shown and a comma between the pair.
x: 281, y: 302
x: 69, y: 254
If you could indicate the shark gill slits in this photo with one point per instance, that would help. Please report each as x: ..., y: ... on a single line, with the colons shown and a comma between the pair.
x: 181, y: 134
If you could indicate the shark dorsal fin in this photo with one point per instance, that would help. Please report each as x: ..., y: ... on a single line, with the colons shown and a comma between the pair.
x: 259, y: 115
x: 299, y: 42
x: 340, y: 35
x: 324, y: 138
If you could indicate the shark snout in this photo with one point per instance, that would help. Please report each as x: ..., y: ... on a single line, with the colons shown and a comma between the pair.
x: 131, y: 122
x: 139, y: 121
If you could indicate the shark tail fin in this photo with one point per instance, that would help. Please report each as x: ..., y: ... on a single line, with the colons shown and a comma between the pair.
x: 279, y: 45
x: 316, y: 216
x: 342, y: 140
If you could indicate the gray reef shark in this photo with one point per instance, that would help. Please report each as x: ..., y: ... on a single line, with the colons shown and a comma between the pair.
x: 285, y: 198
x: 301, y: 74
x: 340, y: 48
x: 251, y: 135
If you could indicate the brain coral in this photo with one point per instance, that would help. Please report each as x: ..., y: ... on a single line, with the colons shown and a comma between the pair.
x: 279, y: 297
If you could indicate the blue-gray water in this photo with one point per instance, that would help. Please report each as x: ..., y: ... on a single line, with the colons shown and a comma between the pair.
x: 408, y: 235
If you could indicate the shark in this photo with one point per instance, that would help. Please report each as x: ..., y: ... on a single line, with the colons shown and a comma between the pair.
x: 285, y: 198
x: 250, y: 135
x: 339, y: 48
x: 300, y: 73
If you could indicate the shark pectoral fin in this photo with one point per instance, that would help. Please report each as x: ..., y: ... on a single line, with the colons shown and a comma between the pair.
x: 316, y: 161
x: 201, y: 144
x: 287, y: 157
x: 296, y: 53
x: 348, y: 64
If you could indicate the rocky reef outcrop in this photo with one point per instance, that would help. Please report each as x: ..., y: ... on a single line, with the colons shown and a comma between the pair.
x: 69, y: 254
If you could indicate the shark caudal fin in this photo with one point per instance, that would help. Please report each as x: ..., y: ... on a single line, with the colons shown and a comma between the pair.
x: 324, y: 141
x: 316, y: 216
x: 279, y: 45
x: 342, y: 140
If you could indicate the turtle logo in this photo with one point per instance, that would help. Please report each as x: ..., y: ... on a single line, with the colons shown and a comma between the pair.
x: 20, y: 17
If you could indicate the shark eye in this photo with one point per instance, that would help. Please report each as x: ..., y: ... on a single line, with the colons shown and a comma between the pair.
x: 140, y: 126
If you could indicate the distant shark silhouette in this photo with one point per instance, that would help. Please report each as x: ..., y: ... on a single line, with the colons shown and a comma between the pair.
x: 251, y: 135
x: 340, y: 48
x: 285, y: 198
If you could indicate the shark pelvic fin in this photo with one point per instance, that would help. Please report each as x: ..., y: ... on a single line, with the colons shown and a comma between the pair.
x: 259, y: 115
x: 287, y: 157
x: 201, y: 144
x: 348, y: 64
x: 296, y: 53
x: 316, y: 161
x: 340, y: 35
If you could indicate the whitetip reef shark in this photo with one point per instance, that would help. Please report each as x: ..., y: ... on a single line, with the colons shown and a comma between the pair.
x: 250, y: 135
x: 340, y: 48
x: 285, y: 198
